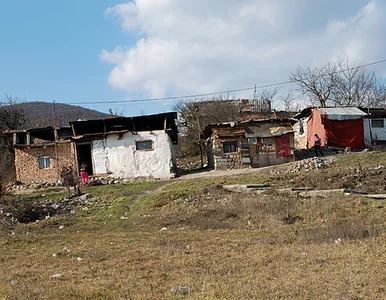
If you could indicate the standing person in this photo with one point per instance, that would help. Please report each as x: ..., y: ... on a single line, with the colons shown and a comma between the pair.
x: 83, y: 173
x: 317, y: 145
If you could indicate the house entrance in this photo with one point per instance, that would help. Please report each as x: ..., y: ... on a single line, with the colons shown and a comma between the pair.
x: 84, y: 155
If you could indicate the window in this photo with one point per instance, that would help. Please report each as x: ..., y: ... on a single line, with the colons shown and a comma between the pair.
x: 144, y: 145
x: 230, y: 147
x: 44, y: 162
x: 377, y: 123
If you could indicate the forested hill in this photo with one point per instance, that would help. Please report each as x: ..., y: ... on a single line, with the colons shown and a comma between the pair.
x: 40, y: 114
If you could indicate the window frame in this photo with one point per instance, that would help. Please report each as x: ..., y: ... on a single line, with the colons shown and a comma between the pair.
x: 377, y: 120
x: 225, y: 146
x: 44, y: 162
x: 143, y: 142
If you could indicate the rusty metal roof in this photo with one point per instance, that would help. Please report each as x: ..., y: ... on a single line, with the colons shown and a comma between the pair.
x: 267, y: 130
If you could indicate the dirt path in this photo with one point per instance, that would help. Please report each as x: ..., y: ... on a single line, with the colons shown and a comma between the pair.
x: 261, y: 170
x: 223, y: 173
x: 150, y: 191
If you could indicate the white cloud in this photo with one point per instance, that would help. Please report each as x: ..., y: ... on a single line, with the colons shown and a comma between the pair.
x: 190, y: 47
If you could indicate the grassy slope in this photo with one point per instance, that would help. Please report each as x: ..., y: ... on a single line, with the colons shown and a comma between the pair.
x: 220, y: 244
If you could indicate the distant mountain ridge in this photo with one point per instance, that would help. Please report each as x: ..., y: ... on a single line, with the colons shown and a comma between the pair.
x: 40, y: 114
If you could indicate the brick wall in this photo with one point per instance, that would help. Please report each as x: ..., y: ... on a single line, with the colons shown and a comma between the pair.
x: 27, y: 162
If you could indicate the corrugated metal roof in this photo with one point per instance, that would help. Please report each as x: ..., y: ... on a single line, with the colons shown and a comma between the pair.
x: 343, y: 111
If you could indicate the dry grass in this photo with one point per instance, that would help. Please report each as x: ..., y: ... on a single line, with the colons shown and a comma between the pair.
x: 221, y: 245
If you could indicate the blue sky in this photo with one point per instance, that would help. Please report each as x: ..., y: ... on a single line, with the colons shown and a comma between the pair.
x: 94, y: 51
x: 50, y: 51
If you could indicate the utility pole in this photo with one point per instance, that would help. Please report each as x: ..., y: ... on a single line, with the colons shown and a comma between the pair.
x: 56, y: 139
x: 254, y: 108
x: 196, y: 109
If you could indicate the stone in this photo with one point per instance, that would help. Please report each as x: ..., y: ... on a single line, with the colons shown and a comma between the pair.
x: 376, y: 196
x: 321, y: 193
x: 181, y: 290
x: 85, y: 197
x: 242, y: 188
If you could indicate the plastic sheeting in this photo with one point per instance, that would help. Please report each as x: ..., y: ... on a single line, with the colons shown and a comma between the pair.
x: 345, y: 133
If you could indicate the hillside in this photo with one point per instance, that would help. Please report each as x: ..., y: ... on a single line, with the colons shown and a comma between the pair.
x: 190, y: 238
x: 40, y: 114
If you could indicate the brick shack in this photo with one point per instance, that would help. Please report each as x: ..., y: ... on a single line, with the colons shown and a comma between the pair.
x: 40, y: 153
x: 251, y: 143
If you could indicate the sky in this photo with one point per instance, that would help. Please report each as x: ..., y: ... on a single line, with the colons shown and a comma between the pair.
x: 108, y: 54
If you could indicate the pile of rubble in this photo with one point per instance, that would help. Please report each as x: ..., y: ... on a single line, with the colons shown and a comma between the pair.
x: 19, y: 186
x: 19, y: 211
x: 309, y: 164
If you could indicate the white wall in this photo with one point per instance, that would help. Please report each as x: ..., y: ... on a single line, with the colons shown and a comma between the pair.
x: 119, y: 157
x: 373, y: 134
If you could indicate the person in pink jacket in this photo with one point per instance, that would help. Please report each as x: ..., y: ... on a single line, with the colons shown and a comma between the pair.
x: 83, y: 173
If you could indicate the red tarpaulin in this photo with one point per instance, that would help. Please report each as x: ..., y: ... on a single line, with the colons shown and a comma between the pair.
x: 283, y: 145
x: 345, y: 133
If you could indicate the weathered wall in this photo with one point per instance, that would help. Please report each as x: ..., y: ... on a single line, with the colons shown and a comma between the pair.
x: 232, y: 160
x: 118, y: 155
x: 373, y: 134
x: 300, y: 134
x: 315, y: 126
x: 27, y: 164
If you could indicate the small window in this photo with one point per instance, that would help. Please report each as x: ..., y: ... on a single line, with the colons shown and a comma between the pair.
x: 377, y: 123
x: 44, y: 162
x: 144, y: 145
x: 230, y: 147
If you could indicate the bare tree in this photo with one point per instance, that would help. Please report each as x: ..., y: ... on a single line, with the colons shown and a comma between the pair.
x: 6, y: 159
x: 267, y: 94
x: 342, y: 84
x: 195, y: 115
x: 317, y: 83
x: 288, y: 102
x: 12, y: 116
x: 355, y: 86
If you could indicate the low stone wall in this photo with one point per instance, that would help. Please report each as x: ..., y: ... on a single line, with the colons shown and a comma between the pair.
x: 17, y: 187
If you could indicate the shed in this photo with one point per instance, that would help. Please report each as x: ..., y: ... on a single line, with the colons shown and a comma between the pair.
x: 128, y: 147
x: 336, y: 126
x: 375, y: 127
x: 251, y: 143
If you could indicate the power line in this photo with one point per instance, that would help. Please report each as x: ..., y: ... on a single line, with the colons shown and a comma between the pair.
x: 218, y: 93
x: 185, y: 96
